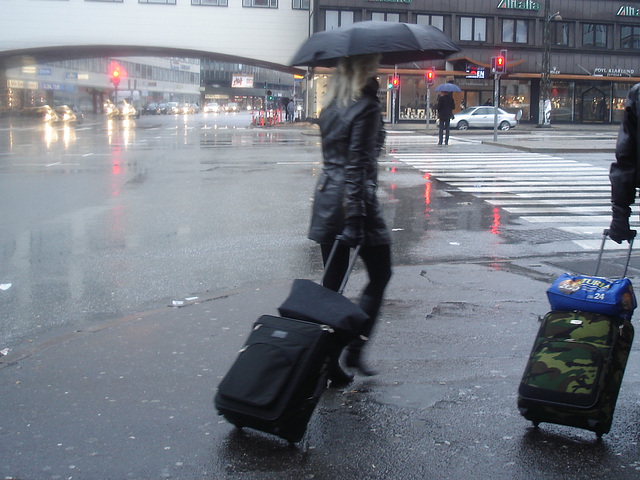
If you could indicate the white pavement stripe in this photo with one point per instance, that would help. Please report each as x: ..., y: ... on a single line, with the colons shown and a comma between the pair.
x: 586, y: 196
x: 499, y: 182
x: 553, y: 201
x: 536, y: 187
x: 543, y: 188
x: 582, y: 210
x: 604, y: 219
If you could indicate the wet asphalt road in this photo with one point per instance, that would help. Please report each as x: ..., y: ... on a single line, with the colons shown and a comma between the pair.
x: 111, y: 218
x: 130, y: 396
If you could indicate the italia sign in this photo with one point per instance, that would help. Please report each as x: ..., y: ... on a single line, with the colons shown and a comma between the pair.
x: 628, y: 11
x: 519, y: 5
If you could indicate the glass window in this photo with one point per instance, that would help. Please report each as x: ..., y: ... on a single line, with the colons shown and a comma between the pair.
x: 630, y: 37
x: 166, y: 2
x: 337, y: 18
x: 560, y: 34
x: 300, y: 5
x: 473, y: 29
x: 212, y: 3
x: 385, y: 17
x: 594, y: 35
x: 435, y: 20
x: 260, y: 3
x: 514, y: 31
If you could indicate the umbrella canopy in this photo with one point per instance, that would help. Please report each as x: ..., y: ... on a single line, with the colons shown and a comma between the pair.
x: 448, y: 87
x: 397, y: 42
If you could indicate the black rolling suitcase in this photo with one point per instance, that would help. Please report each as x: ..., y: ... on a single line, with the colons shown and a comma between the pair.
x: 281, y: 372
x: 576, y: 367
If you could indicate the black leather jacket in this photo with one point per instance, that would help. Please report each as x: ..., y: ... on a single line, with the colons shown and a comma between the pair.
x: 624, y: 174
x: 352, y: 138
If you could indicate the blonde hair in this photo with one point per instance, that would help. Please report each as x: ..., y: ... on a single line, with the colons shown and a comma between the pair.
x: 350, y: 77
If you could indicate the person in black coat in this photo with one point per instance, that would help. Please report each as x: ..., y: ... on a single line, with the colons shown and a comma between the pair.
x: 624, y: 173
x: 345, y: 202
x: 445, y: 107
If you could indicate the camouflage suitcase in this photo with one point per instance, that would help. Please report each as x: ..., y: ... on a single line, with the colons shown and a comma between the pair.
x: 575, y: 370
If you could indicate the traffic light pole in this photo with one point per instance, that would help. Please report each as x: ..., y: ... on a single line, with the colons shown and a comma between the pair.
x: 496, y: 101
x: 426, y: 108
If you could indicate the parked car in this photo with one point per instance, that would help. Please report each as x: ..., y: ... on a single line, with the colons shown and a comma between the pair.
x: 69, y: 114
x: 211, y: 107
x: 483, y: 117
x: 151, y: 109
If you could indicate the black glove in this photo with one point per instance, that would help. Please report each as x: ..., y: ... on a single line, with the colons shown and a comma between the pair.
x: 619, y: 229
x: 353, y: 232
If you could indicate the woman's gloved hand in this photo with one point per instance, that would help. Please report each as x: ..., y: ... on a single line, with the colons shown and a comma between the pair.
x: 353, y: 232
x: 619, y: 229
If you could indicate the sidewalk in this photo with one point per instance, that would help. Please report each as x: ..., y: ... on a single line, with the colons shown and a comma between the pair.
x: 560, y: 138
x: 132, y: 398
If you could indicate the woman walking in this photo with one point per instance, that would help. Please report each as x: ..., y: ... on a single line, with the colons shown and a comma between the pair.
x: 345, y: 203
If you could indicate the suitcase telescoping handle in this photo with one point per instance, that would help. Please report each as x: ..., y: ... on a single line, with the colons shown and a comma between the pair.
x: 605, y: 234
x: 352, y: 262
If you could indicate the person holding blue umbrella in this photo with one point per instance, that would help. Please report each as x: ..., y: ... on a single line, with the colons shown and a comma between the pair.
x: 445, y: 109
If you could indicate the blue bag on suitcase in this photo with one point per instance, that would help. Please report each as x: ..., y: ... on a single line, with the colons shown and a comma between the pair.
x: 591, y: 293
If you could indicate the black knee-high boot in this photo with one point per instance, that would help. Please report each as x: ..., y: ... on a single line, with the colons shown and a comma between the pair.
x: 337, y: 376
x: 371, y: 306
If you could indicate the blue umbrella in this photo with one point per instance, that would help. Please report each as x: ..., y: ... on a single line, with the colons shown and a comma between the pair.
x: 448, y: 87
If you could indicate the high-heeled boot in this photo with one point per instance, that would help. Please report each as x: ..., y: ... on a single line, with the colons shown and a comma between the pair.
x: 337, y: 376
x: 353, y: 359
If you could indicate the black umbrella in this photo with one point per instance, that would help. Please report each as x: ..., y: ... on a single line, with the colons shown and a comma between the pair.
x: 397, y: 42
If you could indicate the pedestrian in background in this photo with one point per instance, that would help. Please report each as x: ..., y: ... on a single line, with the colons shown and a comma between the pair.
x: 445, y: 107
x: 345, y: 202
x: 291, y: 110
x: 624, y: 173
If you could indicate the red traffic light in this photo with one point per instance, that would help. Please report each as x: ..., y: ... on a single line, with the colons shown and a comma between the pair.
x: 499, y: 64
x: 117, y: 73
x: 395, y: 81
x: 430, y: 76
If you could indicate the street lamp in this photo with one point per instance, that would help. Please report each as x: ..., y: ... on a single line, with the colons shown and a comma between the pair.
x: 545, y: 77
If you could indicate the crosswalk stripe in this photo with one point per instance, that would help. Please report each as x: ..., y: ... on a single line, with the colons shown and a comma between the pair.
x: 539, y: 188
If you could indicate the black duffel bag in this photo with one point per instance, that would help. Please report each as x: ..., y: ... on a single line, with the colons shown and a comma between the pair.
x: 314, y: 303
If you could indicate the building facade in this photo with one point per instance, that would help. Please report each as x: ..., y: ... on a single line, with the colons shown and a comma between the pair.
x: 86, y: 83
x: 593, y: 47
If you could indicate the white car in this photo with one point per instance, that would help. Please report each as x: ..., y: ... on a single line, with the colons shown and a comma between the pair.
x: 483, y: 117
x: 211, y: 107
x: 231, y: 107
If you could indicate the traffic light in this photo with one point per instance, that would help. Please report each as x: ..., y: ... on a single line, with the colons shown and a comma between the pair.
x: 115, y: 77
x: 430, y: 76
x: 499, y: 65
x: 394, y: 83
x: 269, y: 95
x: 116, y: 73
